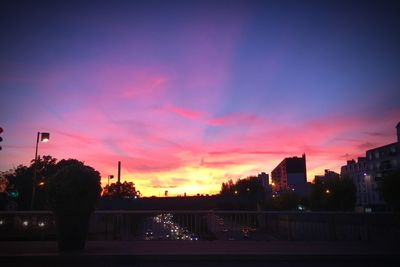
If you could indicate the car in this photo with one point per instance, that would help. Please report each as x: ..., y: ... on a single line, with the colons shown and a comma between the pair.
x: 148, y: 235
x: 193, y: 237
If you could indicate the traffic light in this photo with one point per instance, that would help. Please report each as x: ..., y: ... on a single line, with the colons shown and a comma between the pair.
x: 14, y: 194
x: 1, y: 139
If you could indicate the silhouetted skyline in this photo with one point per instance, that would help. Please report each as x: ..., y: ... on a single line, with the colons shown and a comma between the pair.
x: 189, y: 94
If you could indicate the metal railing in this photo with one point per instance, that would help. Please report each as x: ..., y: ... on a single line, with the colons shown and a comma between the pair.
x: 209, y: 225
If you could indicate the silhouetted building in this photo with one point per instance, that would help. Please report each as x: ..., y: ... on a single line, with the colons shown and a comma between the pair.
x: 291, y: 174
x: 263, y: 179
x: 328, y: 175
x: 357, y: 171
x: 369, y: 172
x: 382, y: 161
x: 398, y: 132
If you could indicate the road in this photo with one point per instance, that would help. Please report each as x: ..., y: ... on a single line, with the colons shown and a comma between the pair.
x: 201, y: 253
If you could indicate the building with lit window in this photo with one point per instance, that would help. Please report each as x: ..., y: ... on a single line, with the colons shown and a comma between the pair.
x: 382, y: 161
x: 357, y: 171
x: 367, y: 173
x: 291, y: 174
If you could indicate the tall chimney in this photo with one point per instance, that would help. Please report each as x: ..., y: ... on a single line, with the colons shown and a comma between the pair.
x: 305, y: 166
x: 119, y: 179
x: 119, y: 171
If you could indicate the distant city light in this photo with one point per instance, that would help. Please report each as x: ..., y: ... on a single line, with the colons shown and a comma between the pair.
x: 327, y: 191
x: 25, y: 223
x: 175, y: 232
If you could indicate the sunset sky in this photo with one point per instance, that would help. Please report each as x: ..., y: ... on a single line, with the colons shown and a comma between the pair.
x: 189, y: 94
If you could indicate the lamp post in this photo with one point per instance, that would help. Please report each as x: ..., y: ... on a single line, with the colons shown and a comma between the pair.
x: 44, y: 137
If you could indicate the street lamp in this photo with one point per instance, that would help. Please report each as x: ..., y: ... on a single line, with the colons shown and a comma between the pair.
x: 44, y: 137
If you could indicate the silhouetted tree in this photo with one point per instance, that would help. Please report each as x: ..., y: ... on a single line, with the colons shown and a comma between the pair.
x: 333, y: 194
x: 391, y: 190
x: 125, y: 189
x: 286, y: 200
x: 227, y: 188
x: 20, y: 179
x: 344, y: 194
x: 74, y: 186
x: 318, y: 197
x: 46, y: 167
x: 245, y: 194
x: 19, y: 189
x: 3, y: 192
x: 72, y: 195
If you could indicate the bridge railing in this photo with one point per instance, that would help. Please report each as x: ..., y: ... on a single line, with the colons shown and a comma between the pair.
x: 210, y: 225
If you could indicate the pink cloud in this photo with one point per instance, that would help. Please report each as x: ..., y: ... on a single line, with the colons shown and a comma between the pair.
x: 234, y: 118
x: 184, y: 112
x: 218, y: 164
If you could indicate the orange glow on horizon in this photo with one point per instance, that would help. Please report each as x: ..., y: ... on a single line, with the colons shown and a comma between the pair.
x: 194, y: 179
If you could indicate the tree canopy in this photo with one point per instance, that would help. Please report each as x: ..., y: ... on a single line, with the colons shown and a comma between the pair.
x: 74, y: 188
x: 18, y: 193
x: 124, y: 190
x: 333, y: 194
x: 244, y: 194
x: 20, y: 179
x: 391, y: 190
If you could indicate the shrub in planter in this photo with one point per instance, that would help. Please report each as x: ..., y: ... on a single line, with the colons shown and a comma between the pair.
x: 72, y: 195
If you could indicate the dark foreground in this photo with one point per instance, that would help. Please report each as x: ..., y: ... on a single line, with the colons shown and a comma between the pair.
x: 202, y: 253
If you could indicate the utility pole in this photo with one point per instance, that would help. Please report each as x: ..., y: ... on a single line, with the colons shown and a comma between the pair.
x: 119, y: 178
